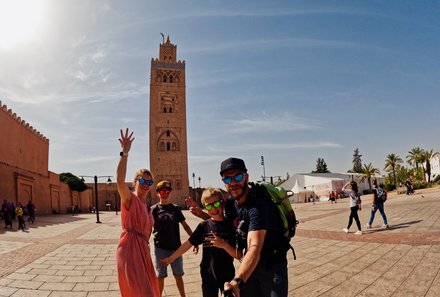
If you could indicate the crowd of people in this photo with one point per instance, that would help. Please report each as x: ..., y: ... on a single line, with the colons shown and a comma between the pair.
x: 11, y: 212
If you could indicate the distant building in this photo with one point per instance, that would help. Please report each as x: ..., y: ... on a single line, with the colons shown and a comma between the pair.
x: 24, y: 173
x: 168, y: 138
x: 320, y: 185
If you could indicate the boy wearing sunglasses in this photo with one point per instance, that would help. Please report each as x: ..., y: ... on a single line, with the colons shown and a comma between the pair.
x: 167, y: 217
x: 218, y: 238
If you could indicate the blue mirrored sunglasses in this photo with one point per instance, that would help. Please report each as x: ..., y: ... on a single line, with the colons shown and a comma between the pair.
x: 215, y: 204
x: 144, y: 181
x: 237, y: 178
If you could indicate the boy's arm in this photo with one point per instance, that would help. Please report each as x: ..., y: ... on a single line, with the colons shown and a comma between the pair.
x: 220, y: 243
x: 195, y: 209
x: 179, y: 252
x: 186, y: 227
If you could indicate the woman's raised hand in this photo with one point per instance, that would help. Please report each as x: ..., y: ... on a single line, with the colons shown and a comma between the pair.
x: 126, y: 140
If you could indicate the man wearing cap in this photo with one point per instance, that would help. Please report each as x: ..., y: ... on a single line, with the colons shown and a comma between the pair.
x: 263, y: 271
x: 167, y: 217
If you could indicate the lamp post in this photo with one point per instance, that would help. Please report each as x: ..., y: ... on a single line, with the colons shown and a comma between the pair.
x: 264, y: 169
x: 200, y: 183
x: 95, y: 178
x: 194, y: 180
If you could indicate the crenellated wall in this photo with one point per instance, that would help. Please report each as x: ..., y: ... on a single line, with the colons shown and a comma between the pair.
x: 24, y: 173
x: 23, y: 146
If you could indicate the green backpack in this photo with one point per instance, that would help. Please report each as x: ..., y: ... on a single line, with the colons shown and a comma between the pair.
x: 285, y: 211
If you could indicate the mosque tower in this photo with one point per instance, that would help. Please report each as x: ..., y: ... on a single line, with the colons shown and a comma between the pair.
x: 168, y: 141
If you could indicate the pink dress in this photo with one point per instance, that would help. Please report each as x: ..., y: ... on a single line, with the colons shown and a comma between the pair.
x: 136, y: 274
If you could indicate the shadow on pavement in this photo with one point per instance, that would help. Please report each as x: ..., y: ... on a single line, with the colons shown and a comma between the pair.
x: 395, y: 227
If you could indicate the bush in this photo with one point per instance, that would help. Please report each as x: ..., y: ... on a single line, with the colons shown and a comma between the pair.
x: 75, y: 184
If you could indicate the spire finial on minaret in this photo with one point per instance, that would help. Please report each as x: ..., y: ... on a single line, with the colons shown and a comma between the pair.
x: 163, y: 38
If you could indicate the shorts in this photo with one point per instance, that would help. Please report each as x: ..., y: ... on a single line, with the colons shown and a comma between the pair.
x: 161, y: 270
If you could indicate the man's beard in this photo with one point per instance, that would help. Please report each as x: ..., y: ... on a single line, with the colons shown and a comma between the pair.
x: 241, y: 194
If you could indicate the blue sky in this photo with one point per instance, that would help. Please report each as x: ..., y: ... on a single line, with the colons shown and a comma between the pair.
x: 292, y: 81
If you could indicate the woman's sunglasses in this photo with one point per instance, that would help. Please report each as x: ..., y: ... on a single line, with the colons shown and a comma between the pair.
x: 144, y: 181
x: 237, y: 178
x: 215, y: 204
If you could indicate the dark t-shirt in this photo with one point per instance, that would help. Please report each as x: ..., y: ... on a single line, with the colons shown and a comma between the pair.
x: 166, y: 226
x: 259, y: 213
x: 216, y: 262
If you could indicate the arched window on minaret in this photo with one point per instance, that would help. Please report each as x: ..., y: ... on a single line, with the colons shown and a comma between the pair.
x: 171, y: 110
x: 164, y: 78
x: 168, y: 146
x: 164, y: 109
x: 168, y: 133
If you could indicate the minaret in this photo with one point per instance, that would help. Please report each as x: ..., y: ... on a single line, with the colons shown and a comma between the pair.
x: 168, y: 143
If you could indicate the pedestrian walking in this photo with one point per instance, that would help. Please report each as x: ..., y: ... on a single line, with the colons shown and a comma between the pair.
x: 6, y: 211
x: 378, y: 204
x: 354, y: 199
x: 19, y: 212
x: 30, y: 207
x: 135, y: 267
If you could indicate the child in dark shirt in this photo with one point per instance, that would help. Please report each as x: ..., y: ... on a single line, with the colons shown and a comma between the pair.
x: 218, y: 238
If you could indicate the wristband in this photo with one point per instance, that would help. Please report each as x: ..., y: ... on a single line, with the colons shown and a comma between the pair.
x: 122, y: 154
x: 239, y: 281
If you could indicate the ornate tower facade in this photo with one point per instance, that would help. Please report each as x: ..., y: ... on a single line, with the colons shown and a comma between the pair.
x: 168, y: 141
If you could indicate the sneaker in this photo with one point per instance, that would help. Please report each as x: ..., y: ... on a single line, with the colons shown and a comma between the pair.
x: 345, y: 230
x: 368, y: 226
x: 359, y: 232
x: 386, y: 226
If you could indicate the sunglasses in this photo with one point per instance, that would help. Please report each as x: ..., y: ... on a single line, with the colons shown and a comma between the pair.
x: 215, y: 204
x: 144, y: 181
x: 237, y: 178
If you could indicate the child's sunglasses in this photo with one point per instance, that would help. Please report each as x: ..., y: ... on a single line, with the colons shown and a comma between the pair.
x: 237, y: 178
x: 144, y: 181
x: 215, y: 204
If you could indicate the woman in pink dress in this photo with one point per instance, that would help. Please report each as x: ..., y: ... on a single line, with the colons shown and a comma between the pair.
x: 136, y: 274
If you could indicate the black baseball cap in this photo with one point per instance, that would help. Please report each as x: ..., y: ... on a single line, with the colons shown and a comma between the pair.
x: 232, y: 163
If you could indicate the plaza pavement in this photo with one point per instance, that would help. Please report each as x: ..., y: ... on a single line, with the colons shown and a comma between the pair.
x: 64, y: 255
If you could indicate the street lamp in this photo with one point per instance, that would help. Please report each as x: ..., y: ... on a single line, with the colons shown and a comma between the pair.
x: 95, y: 178
x: 200, y: 183
x: 264, y: 169
x: 194, y: 180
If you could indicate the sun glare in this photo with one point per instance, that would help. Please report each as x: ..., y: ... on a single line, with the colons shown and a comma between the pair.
x: 19, y: 21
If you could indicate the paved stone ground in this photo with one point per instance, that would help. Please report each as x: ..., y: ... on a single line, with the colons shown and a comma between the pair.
x: 63, y: 255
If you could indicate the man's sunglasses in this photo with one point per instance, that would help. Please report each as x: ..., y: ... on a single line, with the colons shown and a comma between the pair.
x: 237, y: 178
x: 144, y: 181
x: 215, y: 204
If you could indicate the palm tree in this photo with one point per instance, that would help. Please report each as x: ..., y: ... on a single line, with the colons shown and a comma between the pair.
x: 415, y: 156
x: 369, y: 171
x: 391, y: 162
x: 426, y: 158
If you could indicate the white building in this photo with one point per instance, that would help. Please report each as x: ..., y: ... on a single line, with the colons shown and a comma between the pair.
x: 320, y: 185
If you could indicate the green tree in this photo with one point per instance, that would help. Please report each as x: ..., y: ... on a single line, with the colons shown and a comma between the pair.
x: 357, y: 162
x: 426, y: 158
x: 74, y: 182
x: 415, y: 157
x: 321, y: 166
x: 369, y: 171
x: 391, y: 162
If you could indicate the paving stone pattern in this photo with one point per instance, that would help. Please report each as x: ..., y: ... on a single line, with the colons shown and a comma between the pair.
x: 64, y: 255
